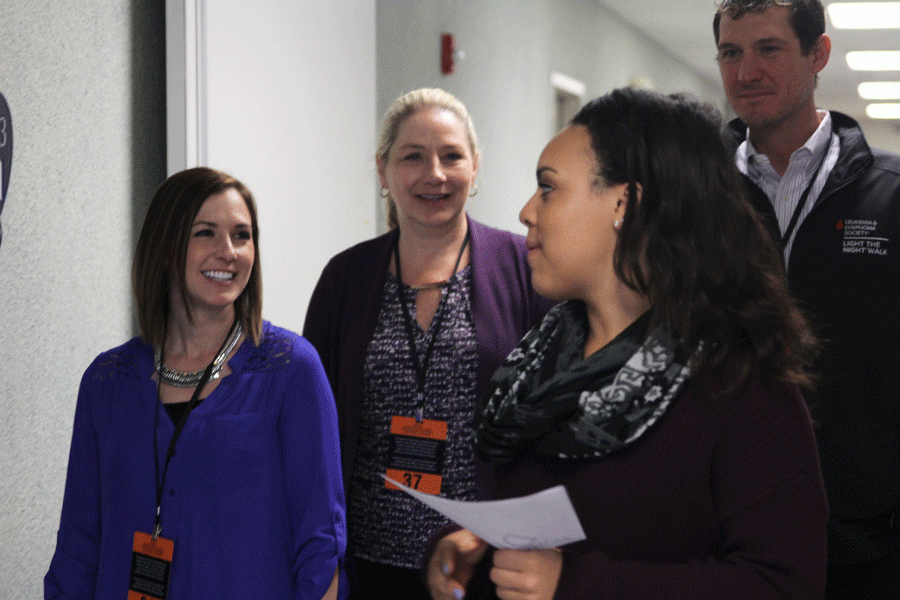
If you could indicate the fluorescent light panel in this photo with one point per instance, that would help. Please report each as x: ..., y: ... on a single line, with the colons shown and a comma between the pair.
x: 874, y: 60
x: 883, y: 111
x: 879, y: 90
x: 864, y: 15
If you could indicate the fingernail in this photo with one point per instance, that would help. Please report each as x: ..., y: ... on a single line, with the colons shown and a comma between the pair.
x: 446, y: 569
x: 458, y: 594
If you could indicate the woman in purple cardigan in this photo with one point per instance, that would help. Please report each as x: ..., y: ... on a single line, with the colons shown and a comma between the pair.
x: 410, y: 326
x: 663, y: 393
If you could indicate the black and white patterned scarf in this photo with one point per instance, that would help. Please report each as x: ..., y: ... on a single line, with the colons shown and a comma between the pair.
x: 546, y: 395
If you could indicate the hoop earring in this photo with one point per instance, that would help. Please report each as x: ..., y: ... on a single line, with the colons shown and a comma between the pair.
x: 385, y: 192
x: 474, y: 190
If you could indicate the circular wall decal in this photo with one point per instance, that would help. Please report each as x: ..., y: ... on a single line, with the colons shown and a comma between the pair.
x: 6, y: 147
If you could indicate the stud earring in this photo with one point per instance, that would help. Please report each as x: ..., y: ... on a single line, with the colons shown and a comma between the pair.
x: 617, y: 224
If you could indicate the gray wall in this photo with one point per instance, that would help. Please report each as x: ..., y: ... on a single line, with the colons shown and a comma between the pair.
x: 882, y: 134
x: 511, y: 48
x: 84, y: 81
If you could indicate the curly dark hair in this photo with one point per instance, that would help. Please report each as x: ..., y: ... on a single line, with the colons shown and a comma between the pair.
x: 692, y: 243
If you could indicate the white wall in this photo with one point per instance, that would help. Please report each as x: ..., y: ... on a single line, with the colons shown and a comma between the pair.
x: 287, y: 105
x: 883, y: 134
x: 511, y: 48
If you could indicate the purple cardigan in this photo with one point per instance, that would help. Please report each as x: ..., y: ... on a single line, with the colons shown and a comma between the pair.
x: 346, y: 303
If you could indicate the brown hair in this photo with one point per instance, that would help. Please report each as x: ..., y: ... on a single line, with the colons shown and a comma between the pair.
x: 162, y: 250
x: 807, y: 17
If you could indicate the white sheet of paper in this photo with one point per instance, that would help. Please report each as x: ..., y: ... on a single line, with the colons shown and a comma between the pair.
x: 542, y: 520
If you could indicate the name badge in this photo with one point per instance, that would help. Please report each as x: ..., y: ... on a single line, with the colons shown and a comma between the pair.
x: 151, y: 564
x: 416, y: 454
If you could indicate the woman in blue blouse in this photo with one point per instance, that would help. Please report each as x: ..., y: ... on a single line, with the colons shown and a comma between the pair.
x: 204, y: 459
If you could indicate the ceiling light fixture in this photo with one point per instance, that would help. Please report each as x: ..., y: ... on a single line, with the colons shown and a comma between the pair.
x: 883, y: 111
x: 874, y: 60
x: 879, y: 90
x: 864, y: 15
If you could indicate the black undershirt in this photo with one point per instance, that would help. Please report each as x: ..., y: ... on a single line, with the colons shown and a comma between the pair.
x: 176, y: 409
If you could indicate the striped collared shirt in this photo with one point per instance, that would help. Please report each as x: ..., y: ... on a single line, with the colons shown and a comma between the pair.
x: 784, y: 192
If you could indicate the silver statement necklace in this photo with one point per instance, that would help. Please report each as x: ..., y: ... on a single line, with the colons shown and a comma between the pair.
x: 183, y: 379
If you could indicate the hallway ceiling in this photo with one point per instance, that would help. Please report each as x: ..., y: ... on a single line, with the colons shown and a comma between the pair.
x: 684, y: 27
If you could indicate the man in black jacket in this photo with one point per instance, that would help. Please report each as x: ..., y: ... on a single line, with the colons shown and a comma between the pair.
x: 835, y: 206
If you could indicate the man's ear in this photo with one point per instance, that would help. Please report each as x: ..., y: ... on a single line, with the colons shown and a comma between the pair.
x: 821, y: 51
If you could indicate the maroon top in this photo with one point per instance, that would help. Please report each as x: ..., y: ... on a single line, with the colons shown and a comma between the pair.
x: 719, y: 499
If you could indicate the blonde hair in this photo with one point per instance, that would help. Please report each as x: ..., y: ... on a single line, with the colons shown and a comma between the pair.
x: 403, y: 108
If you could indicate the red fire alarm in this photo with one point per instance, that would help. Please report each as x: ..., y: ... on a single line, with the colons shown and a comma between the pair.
x: 447, y: 51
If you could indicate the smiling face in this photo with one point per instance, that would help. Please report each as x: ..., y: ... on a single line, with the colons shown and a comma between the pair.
x: 220, y: 252
x: 429, y: 170
x: 570, y: 219
x: 768, y: 80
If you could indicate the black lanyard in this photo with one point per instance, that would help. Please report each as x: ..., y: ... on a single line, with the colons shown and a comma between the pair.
x: 195, y: 398
x: 421, y: 368
x: 800, y: 204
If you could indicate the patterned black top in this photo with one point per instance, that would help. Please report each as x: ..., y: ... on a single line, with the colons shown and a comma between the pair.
x: 388, y: 526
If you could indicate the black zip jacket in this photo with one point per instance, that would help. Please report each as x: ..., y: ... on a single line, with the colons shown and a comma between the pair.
x: 844, y: 268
